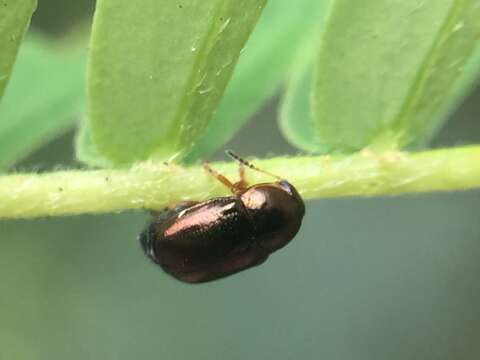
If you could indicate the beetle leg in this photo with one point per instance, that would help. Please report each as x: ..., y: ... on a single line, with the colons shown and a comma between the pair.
x: 242, y: 183
x: 233, y: 188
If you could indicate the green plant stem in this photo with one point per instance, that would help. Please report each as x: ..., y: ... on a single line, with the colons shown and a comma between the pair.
x: 155, y: 185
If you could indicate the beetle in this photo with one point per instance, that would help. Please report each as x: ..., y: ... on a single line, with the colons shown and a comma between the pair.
x: 197, y: 242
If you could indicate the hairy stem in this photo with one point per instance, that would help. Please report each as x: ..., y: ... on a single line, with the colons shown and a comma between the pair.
x: 155, y: 185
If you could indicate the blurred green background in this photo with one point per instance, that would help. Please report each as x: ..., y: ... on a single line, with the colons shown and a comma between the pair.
x: 385, y: 278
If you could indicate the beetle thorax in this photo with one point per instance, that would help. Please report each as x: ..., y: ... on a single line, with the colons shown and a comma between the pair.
x: 276, y: 214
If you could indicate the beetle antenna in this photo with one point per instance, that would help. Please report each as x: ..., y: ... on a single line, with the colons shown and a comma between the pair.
x: 251, y: 166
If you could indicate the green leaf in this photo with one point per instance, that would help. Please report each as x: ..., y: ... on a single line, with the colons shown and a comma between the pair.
x: 86, y: 151
x: 471, y: 74
x: 468, y: 78
x: 387, y: 69
x: 295, y: 116
x: 45, y: 93
x: 286, y: 32
x: 157, y: 71
x: 14, y: 19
